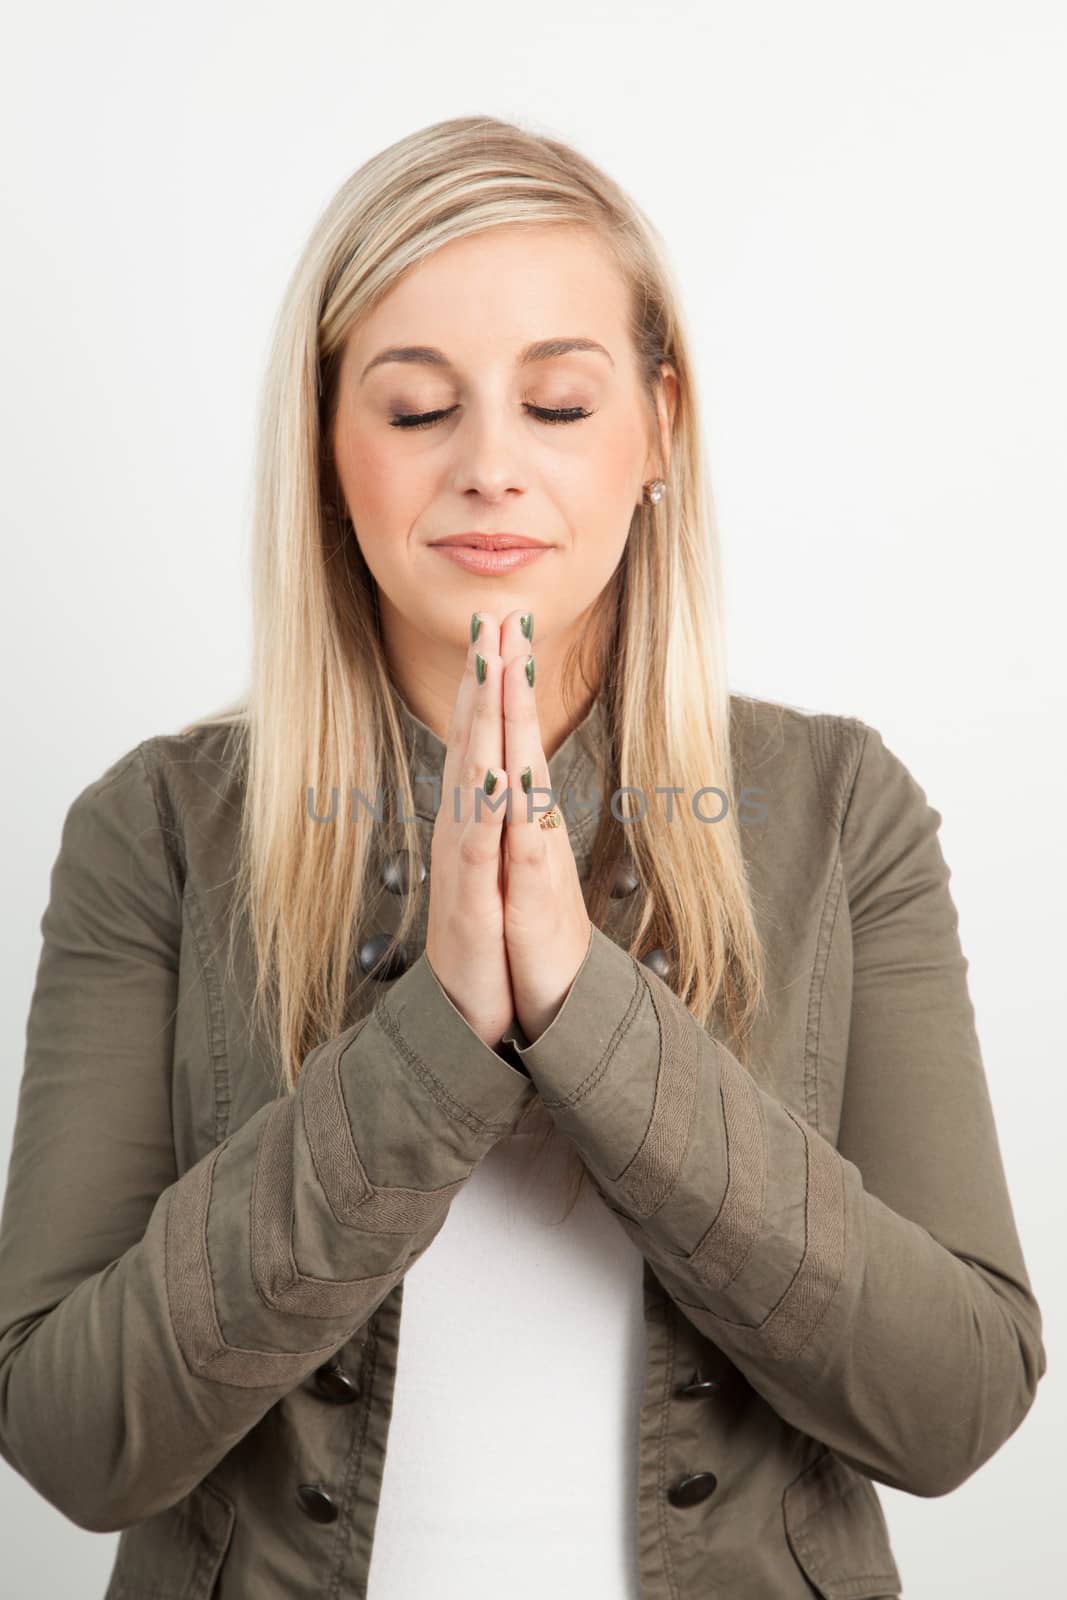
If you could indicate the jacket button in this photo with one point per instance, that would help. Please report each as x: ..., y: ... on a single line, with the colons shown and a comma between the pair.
x: 317, y: 1503
x: 626, y: 880
x: 397, y: 871
x: 335, y: 1384
x: 691, y: 1490
x: 380, y: 948
x: 657, y: 960
x: 698, y: 1385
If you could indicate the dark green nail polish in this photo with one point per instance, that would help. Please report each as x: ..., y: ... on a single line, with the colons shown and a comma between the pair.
x: 527, y: 779
x: 530, y: 670
x: 526, y: 624
x: 479, y: 667
x: 476, y: 623
x: 490, y: 780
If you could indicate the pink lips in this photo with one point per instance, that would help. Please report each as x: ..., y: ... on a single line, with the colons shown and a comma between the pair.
x: 491, y: 562
x: 490, y: 541
x: 490, y: 553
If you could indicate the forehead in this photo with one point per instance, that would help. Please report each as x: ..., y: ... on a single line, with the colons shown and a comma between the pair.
x: 487, y: 296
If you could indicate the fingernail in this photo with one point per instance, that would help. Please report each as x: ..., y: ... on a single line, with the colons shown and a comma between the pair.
x: 526, y: 779
x: 529, y: 670
x: 490, y: 780
x: 476, y: 623
x: 479, y: 667
x: 526, y: 624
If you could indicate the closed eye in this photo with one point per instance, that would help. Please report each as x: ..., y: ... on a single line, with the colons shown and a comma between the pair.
x: 427, y: 419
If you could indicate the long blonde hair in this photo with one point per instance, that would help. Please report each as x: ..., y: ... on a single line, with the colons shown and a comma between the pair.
x: 320, y: 699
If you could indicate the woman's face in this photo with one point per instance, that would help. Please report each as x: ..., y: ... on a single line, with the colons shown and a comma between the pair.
x: 493, y: 461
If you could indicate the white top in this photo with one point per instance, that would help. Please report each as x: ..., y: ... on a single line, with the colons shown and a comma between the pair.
x: 512, y: 1449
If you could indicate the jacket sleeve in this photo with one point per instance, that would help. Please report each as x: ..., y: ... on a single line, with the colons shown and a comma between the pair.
x: 875, y: 1294
x: 149, y: 1319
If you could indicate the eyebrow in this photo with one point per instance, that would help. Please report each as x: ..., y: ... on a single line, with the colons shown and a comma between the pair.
x: 540, y: 350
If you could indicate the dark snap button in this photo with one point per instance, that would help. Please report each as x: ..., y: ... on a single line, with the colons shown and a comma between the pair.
x: 317, y: 1503
x: 657, y: 960
x: 335, y: 1384
x: 698, y: 1385
x: 398, y: 870
x: 626, y: 880
x: 690, y: 1491
x: 393, y: 958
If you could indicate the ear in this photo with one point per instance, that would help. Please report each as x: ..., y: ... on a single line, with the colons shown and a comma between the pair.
x: 666, y: 396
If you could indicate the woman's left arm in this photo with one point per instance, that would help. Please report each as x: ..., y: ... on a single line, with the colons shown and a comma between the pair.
x: 874, y: 1293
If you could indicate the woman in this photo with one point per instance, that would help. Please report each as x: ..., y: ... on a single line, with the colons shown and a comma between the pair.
x: 280, y: 1037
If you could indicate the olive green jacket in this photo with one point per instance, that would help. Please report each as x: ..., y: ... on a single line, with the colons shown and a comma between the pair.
x: 201, y: 1278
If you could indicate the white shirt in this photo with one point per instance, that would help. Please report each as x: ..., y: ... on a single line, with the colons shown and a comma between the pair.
x: 511, y: 1461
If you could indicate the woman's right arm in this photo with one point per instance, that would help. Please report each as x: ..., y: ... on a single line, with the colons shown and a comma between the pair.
x: 149, y: 1319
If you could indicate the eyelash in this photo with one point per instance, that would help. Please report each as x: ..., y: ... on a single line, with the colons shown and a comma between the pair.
x: 427, y: 419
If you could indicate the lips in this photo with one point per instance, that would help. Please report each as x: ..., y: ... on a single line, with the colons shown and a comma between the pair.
x: 492, y: 541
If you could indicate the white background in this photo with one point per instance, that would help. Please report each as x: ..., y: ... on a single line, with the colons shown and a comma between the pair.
x: 865, y: 207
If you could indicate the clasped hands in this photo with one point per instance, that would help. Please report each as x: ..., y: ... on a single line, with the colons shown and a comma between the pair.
x: 507, y: 924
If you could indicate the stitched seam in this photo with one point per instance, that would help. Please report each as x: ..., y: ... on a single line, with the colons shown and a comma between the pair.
x: 812, y: 1552
x: 166, y: 831
x: 216, y: 1016
x: 813, y: 1558
x: 726, y: 1141
x: 214, y: 1546
x: 454, y: 1107
x: 295, y: 1279
x: 309, y: 1145
x: 841, y: 814
x: 368, y: 1365
x: 361, y: 1171
x: 250, y: 1232
x: 203, y: 1245
x: 668, y: 1559
x: 166, y: 1276
x: 757, y: 1230
x: 195, y: 1339
x: 652, y: 1117
x: 837, y: 1494
x: 761, y: 1327
x: 596, y: 1073
x: 820, y: 744
x: 775, y: 1350
x: 827, y: 924
x: 808, y: 1547
x: 733, y: 1167
x: 171, y: 828
x: 796, y: 1350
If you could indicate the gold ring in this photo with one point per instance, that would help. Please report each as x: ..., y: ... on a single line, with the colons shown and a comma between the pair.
x: 551, y: 819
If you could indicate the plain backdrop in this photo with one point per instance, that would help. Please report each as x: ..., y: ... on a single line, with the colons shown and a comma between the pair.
x: 864, y: 204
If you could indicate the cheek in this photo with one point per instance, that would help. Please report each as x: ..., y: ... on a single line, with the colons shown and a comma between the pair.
x: 382, y: 488
x: 602, y: 498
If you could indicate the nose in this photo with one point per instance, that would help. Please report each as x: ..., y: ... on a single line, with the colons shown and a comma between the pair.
x: 488, y: 453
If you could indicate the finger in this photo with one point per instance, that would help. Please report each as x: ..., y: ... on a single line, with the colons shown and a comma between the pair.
x: 483, y: 800
x: 525, y: 760
x: 516, y: 635
x: 458, y: 737
x: 516, y: 643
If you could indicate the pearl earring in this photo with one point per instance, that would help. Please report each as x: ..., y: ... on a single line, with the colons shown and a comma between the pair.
x: 655, y: 491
